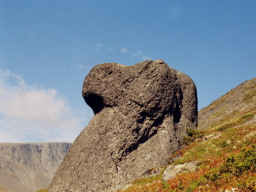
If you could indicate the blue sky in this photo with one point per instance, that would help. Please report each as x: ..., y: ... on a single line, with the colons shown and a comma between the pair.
x: 48, y: 47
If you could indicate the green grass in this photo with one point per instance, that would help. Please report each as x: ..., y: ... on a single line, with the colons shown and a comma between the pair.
x: 235, y: 121
x: 192, y: 134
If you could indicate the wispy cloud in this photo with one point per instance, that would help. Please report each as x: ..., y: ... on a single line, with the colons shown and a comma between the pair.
x: 79, y: 40
x: 137, y: 53
x: 98, y: 48
x: 79, y: 66
x: 146, y: 57
x: 140, y: 55
x: 99, y: 45
x: 123, y: 50
x: 34, y: 114
x: 110, y: 49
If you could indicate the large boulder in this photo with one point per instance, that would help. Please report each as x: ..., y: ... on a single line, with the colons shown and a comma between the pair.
x: 141, y: 115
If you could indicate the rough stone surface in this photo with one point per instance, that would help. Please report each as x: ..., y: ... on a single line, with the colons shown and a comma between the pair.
x: 141, y: 113
x: 172, y: 170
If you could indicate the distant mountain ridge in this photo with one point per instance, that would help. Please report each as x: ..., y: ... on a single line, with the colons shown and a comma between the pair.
x: 27, y: 167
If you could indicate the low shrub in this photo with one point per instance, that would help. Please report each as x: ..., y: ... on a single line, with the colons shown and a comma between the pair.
x: 192, y: 134
x: 236, y: 165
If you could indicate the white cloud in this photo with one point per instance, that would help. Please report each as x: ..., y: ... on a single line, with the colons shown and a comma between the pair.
x: 34, y: 114
x: 136, y: 54
x: 124, y: 50
x: 98, y: 48
x: 140, y: 55
x: 146, y: 57
x: 110, y: 49
x: 99, y: 45
x: 79, y: 66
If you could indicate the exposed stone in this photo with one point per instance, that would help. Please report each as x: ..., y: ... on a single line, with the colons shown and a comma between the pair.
x: 212, y: 136
x: 127, y: 186
x: 172, y: 170
x: 141, y: 114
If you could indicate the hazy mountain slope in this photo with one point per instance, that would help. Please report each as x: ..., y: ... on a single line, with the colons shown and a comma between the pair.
x: 236, y: 102
x: 224, y: 150
x: 29, y: 167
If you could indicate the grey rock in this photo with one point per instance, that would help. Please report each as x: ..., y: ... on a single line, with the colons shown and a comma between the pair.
x: 172, y: 170
x: 141, y: 114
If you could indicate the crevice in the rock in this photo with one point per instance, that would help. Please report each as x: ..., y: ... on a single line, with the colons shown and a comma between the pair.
x: 95, y: 101
x: 136, y: 102
x: 115, y: 164
x: 146, y: 135
x: 178, y: 107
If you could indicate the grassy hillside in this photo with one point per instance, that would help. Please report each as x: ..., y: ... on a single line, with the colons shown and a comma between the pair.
x: 224, y: 149
x: 236, y: 102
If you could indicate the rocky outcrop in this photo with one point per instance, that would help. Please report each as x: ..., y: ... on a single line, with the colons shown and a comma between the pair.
x: 172, y: 170
x: 141, y: 114
x: 28, y: 167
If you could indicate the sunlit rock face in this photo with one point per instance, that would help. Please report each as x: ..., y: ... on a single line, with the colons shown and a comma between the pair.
x: 141, y: 114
